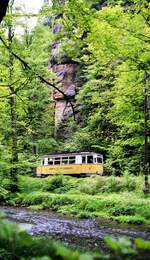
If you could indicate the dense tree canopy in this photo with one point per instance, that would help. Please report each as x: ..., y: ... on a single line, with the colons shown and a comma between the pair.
x: 112, y: 44
x: 26, y: 105
x: 109, y: 44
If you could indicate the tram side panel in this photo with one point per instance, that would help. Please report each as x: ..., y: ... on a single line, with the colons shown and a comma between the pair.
x: 70, y: 169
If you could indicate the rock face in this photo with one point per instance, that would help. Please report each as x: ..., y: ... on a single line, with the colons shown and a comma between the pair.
x: 66, y: 74
x: 65, y: 70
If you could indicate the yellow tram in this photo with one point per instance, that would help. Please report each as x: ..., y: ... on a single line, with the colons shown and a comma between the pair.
x: 84, y: 163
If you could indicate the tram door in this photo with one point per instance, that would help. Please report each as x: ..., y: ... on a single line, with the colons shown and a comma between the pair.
x: 78, y: 159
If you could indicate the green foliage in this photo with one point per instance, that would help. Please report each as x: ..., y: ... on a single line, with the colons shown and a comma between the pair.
x: 94, y: 196
x: 33, y: 108
x: 56, y: 202
x: 53, y: 183
x: 108, y: 184
x: 121, y: 247
x: 141, y: 244
x: 113, y: 45
x: 17, y: 244
x: 123, y: 210
x: 138, y: 220
x: 4, y: 195
x: 32, y: 198
x: 84, y: 214
x: 28, y: 184
x: 5, y: 183
x: 58, y: 184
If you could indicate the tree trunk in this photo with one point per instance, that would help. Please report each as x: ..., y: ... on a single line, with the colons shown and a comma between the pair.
x: 14, y: 155
x: 3, y: 8
x: 13, y: 114
x: 146, y: 134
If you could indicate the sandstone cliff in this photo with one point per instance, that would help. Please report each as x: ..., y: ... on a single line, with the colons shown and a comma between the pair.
x: 65, y: 70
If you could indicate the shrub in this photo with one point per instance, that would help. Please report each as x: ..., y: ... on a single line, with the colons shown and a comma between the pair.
x: 92, y: 185
x: 122, y: 210
x: 114, y: 184
x: 58, y: 184
x: 121, y: 247
x: 84, y: 214
x: 6, y: 183
x: 30, y: 184
x: 130, y: 219
x: 4, y: 254
x: 4, y: 195
x: 33, y: 198
x: 87, y: 189
x: 101, y: 184
x: 94, y: 205
x: 129, y: 183
x: 53, y: 183
x: 56, y: 202
x: 144, y: 210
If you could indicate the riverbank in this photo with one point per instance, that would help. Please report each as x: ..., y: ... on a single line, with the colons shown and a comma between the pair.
x: 116, y: 198
x: 85, y: 213
x: 82, y: 233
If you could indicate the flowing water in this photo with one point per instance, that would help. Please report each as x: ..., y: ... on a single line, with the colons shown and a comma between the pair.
x: 80, y: 233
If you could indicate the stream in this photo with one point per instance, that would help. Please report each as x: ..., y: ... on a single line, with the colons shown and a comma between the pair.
x: 80, y: 233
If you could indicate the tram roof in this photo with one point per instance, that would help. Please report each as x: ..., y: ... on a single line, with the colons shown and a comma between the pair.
x: 70, y: 154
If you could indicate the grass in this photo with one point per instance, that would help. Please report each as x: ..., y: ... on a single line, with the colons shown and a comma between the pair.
x: 116, y: 198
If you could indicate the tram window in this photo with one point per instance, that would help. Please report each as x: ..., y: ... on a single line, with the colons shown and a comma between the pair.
x: 57, y: 160
x: 99, y: 160
x: 72, y: 160
x: 50, y: 161
x: 43, y: 162
x: 65, y: 160
x: 83, y: 159
x: 89, y: 159
x: 95, y: 160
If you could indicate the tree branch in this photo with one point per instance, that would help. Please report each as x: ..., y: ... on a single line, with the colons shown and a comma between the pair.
x: 41, y: 79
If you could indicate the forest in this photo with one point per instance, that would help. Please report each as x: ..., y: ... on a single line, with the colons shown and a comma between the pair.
x: 74, y: 78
